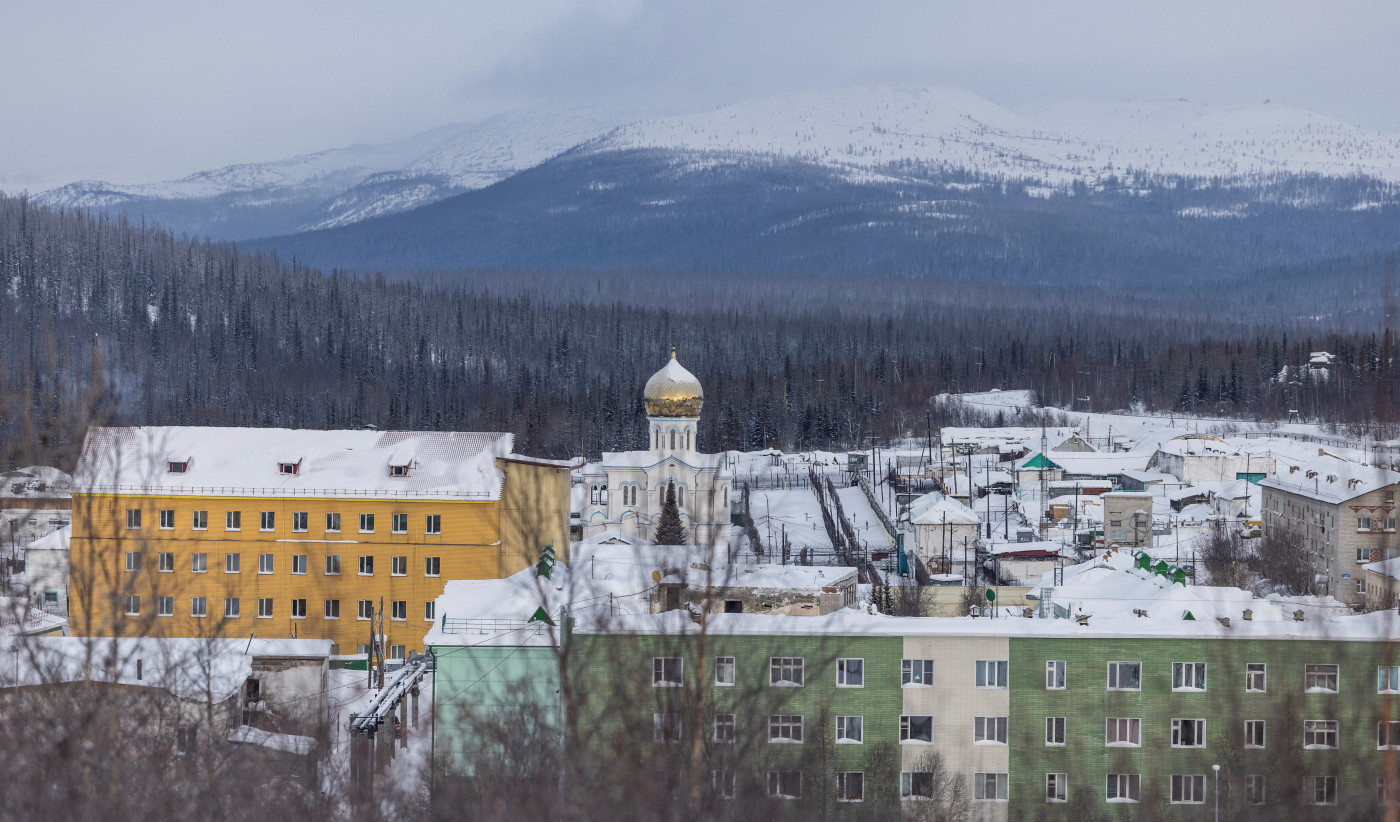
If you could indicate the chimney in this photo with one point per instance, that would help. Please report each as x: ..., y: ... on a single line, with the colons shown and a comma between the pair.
x: 1224, y: 621
x: 1248, y: 615
x: 1083, y: 620
x: 1297, y: 616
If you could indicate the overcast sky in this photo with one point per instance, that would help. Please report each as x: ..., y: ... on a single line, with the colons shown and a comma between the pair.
x: 135, y: 91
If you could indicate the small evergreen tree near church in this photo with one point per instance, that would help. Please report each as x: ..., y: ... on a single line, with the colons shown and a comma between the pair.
x: 669, y: 529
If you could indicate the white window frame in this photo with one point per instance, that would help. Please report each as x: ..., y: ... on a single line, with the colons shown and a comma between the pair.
x: 1055, y: 670
x: 233, y: 520
x: 1388, y: 735
x: 398, y: 523
x: 433, y: 525
x: 398, y: 566
x: 199, y: 607
x: 907, y: 786
x: 906, y: 729
x: 233, y: 563
x: 364, y: 609
x: 1000, y: 784
x: 1388, y: 679
x: 1323, y: 790
x: 989, y: 730
x: 1255, y: 728
x: 366, y: 523
x: 724, y: 671
x: 167, y: 519
x: 299, y: 564
x: 133, y: 561
x: 724, y: 784
x: 776, y: 784
x: 133, y: 519
x: 332, y: 522
x: 1056, y: 788
x: 165, y: 562
x: 332, y: 560
x: 845, y: 673
x: 785, y: 729
x: 199, y: 521
x: 725, y: 730
x: 267, y: 521
x: 667, y: 671
x: 232, y: 608
x: 1255, y: 792
x: 992, y: 674
x: 429, y: 610
x: 780, y: 666
x: 1189, y: 676
x: 850, y: 730
x: 398, y: 610
x: 850, y: 786
x: 330, y: 609
x: 1316, y: 672
x: 666, y: 729
x: 1316, y: 733
x: 1122, y: 788
x: 165, y: 606
x: 266, y: 563
x: 432, y: 566
x: 1115, y: 728
x: 133, y: 605
x: 300, y: 521
x: 1179, y: 726
x: 298, y: 605
x: 199, y: 563
x: 1261, y: 669
x: 1115, y: 675
x: 1188, y: 789
x: 1055, y: 727
x: 366, y: 561
x: 916, y: 673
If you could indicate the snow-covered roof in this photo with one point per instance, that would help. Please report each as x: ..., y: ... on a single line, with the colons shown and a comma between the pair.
x: 936, y: 509
x: 647, y: 459
x: 56, y: 541
x: 1101, y: 464
x: 1386, y: 567
x: 1198, y: 445
x: 1329, y: 479
x: 289, y: 743
x: 38, y: 481
x: 245, y: 462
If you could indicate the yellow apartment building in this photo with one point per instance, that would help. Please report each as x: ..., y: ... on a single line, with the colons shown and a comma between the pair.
x: 235, y: 532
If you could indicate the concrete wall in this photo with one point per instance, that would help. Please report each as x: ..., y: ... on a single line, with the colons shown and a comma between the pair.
x: 1330, y: 534
x: 46, y: 571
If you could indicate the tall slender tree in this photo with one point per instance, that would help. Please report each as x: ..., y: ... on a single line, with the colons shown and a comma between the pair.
x: 670, y: 530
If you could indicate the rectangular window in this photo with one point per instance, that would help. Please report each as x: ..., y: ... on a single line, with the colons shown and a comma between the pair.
x: 1188, y: 733
x: 233, y: 520
x: 177, y: 467
x: 785, y: 671
x: 850, y: 729
x: 1188, y: 676
x: 133, y: 518
x: 724, y: 670
x: 429, y: 611
x: 398, y: 566
x: 915, y: 729
x: 665, y: 728
x: 724, y: 728
x: 850, y: 673
x: 298, y: 609
x: 785, y: 728
x: 724, y: 784
x: 1363, y: 554
x: 785, y: 784
x: 289, y: 468
x: 399, y: 610
x: 1323, y: 790
x: 916, y: 672
x: 432, y: 566
x: 366, y: 566
x: 366, y: 610
x: 433, y: 525
x: 1387, y: 735
x: 398, y: 523
x: 1123, y: 732
x: 1123, y: 787
x: 133, y: 606
x: 167, y: 519
x: 992, y: 673
x: 916, y: 785
x: 667, y: 671
x: 1254, y: 789
x: 300, y: 520
x: 1319, y: 734
x: 299, y: 563
x: 332, y: 609
x: 1055, y: 789
x: 1256, y: 678
x: 850, y: 786
x: 198, y: 608
x: 186, y: 739
x: 1320, y: 679
x: 264, y: 563
x: 265, y: 608
x: 1055, y: 674
x: 231, y: 607
x: 332, y: 565
x: 201, y: 521
x: 1125, y: 676
x: 166, y: 561
x: 1188, y: 789
x: 1254, y: 733
x: 1388, y: 679
x: 267, y: 520
x: 165, y: 606
x: 989, y: 730
x: 133, y: 561
x: 991, y: 787
x: 366, y: 523
x: 1054, y: 730
x: 333, y: 523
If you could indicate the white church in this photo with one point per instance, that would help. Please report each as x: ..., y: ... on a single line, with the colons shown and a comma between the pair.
x: 626, y: 490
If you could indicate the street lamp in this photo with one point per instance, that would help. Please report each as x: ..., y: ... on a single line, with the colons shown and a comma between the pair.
x: 1216, y: 768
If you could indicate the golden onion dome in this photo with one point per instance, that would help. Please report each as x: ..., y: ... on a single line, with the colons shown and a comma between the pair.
x: 673, y: 392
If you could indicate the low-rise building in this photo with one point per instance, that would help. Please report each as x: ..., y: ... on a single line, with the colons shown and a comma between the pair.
x: 1127, y: 518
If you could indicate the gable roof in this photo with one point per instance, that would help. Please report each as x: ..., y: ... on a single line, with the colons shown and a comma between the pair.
x: 1037, y: 461
x: 1329, y: 479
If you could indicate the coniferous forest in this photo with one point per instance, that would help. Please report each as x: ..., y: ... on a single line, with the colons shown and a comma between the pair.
x: 101, y: 316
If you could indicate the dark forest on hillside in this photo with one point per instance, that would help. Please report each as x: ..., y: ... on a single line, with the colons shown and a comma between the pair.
x: 132, y: 324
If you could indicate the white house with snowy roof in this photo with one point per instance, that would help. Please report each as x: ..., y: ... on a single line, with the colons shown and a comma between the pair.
x: 627, y: 489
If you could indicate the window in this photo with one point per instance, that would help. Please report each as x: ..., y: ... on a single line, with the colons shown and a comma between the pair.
x: 133, y: 561
x: 1254, y: 733
x: 230, y: 607
x: 1054, y: 674
x: 915, y: 785
x: 785, y: 671
x: 432, y: 566
x: 991, y: 787
x: 989, y: 730
x: 785, y: 784
x: 1319, y: 734
x: 299, y: 563
x: 398, y: 566
x: 133, y: 606
x: 1256, y: 680
x: 396, y: 651
x: 333, y: 523
x: 851, y: 729
x: 850, y: 786
x: 398, y: 523
x: 667, y: 671
x: 186, y: 739
x: 1125, y: 676
x: 680, y: 495
x: 1188, y: 733
x: 332, y: 565
x: 724, y: 728
x: 166, y: 561
x: 1054, y: 730
x: 201, y: 521
x: 429, y: 611
x: 264, y: 563
x: 133, y: 518
x: 1320, y: 679
x: 366, y: 523
x: 398, y: 470
x: 165, y: 606
x: 724, y: 784
x: 198, y: 607
x: 665, y: 728
x: 916, y: 672
x: 366, y: 609
x: 1361, y: 586
x: 916, y: 729
x: 434, y: 524
x: 167, y: 519
x: 332, y: 609
x: 366, y: 566
x: 785, y: 728
x: 265, y: 608
x: 1055, y: 790
x: 399, y: 610
x: 991, y: 673
x: 1122, y: 732
x: 299, y: 521
x: 1363, y: 554
x: 1254, y: 789
x: 724, y: 670
x: 1188, y: 789
x: 1123, y: 787
x: 850, y: 673
x: 233, y: 520
x: 177, y: 467
x: 1388, y: 679
x: 1323, y: 790
x: 267, y: 520
x: 288, y: 468
x: 298, y: 609
x: 1188, y: 676
x: 1363, y: 523
x: 1387, y: 735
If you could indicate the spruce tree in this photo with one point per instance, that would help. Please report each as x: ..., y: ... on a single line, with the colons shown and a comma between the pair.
x: 670, y: 530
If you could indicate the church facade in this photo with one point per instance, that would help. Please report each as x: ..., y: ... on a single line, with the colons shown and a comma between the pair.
x: 626, y: 490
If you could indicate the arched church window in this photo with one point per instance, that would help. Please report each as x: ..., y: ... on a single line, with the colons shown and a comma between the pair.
x: 680, y: 495
x: 673, y: 439
x: 687, y: 438
x: 593, y: 494
x: 603, y: 494
x: 726, y: 496
x: 655, y: 438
